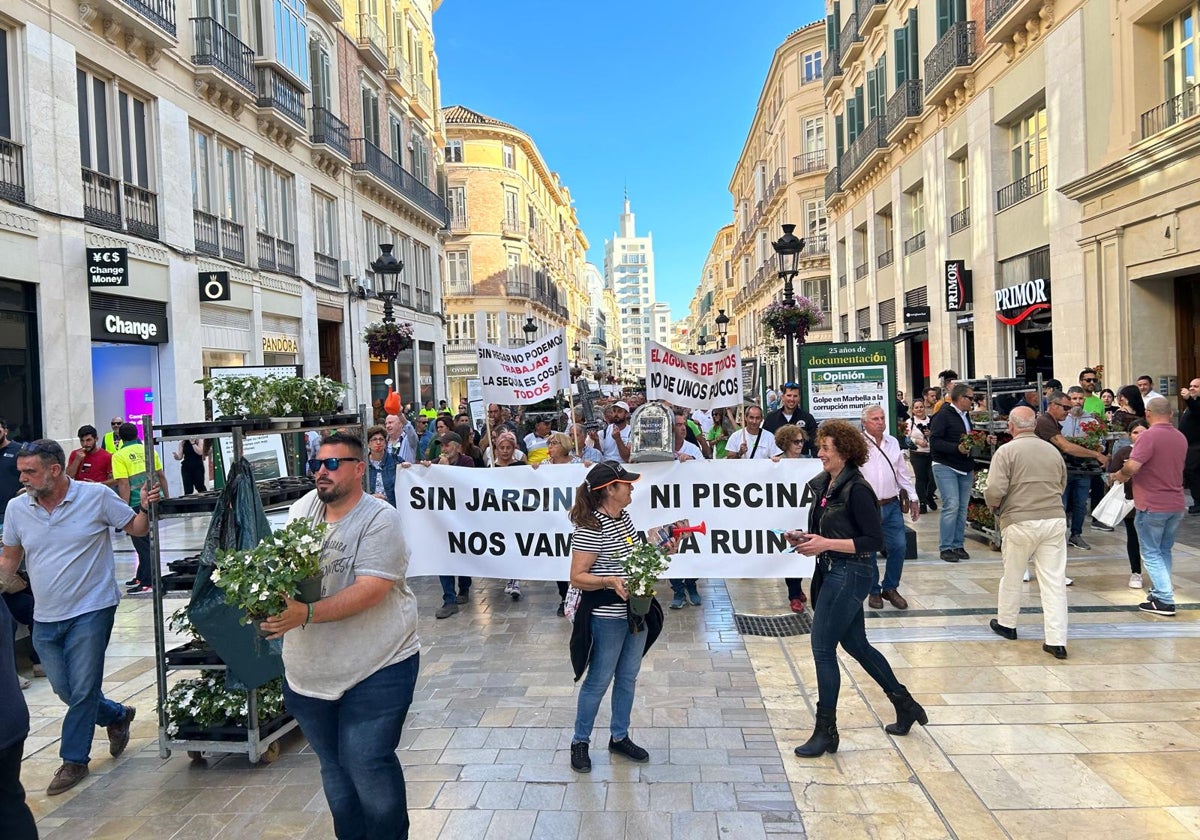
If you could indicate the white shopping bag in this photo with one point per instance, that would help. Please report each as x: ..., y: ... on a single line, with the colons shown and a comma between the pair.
x: 1113, y: 507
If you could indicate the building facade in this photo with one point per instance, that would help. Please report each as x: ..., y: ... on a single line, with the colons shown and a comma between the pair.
x: 516, y: 255
x: 779, y: 179
x: 260, y: 257
x: 629, y: 271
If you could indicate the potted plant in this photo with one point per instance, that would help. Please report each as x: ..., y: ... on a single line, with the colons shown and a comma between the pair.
x: 255, y: 580
x: 973, y: 443
x: 388, y: 339
x: 321, y: 398
x: 238, y: 397
x: 194, y: 651
x: 796, y: 320
x: 643, y: 566
x: 206, y: 707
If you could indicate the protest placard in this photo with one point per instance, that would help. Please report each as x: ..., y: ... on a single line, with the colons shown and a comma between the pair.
x: 708, y: 381
x: 524, y: 375
x: 840, y: 380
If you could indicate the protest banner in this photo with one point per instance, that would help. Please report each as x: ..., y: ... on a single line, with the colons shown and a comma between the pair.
x: 840, y: 380
x: 513, y: 523
x: 524, y: 375
x: 708, y: 381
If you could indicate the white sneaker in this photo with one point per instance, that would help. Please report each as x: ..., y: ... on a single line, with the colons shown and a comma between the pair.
x: 1025, y: 579
x: 514, y: 589
x: 1068, y: 581
x: 508, y: 587
x: 1135, y: 581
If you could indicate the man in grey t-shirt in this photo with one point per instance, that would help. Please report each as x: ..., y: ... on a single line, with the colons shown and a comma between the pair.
x: 61, y: 528
x: 350, y: 660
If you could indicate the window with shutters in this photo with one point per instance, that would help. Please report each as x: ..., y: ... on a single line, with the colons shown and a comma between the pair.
x: 811, y: 67
x: 492, y: 324
x: 862, y: 322
x: 917, y: 297
x: 320, y: 74
x: 510, y: 156
x: 325, y: 227
x: 370, y: 115
x: 886, y: 313
x: 949, y: 12
x: 844, y: 327
x: 907, y: 58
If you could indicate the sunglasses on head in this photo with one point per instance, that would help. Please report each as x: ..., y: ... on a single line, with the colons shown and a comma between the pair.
x: 330, y: 464
x: 35, y: 449
x: 788, y: 386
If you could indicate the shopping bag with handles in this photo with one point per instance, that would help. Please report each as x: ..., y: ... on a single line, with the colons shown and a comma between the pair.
x: 1113, y: 507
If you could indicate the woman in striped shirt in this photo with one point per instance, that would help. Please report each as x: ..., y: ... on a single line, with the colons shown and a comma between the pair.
x: 604, y: 535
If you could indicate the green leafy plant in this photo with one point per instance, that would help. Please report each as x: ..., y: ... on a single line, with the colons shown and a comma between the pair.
x: 388, y: 339
x: 796, y: 320
x: 206, y: 701
x: 643, y: 566
x: 256, y: 580
x: 180, y: 623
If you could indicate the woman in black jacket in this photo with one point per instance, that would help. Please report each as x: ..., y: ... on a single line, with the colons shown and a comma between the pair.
x: 843, y: 532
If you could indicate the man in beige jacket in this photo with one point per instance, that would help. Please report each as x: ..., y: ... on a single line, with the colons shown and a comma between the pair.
x: 1025, y: 486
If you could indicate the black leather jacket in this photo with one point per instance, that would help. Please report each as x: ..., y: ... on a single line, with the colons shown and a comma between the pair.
x: 850, y: 511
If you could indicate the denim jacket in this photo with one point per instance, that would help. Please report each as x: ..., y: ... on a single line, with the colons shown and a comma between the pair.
x: 385, y: 470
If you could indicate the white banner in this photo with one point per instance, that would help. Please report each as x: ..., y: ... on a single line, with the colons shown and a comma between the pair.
x: 524, y: 375
x: 513, y: 523
x: 708, y: 381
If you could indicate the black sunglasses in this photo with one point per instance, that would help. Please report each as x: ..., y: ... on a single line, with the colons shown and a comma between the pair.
x: 36, y: 449
x: 1067, y: 406
x: 1088, y: 379
x: 115, y: 423
x: 330, y: 464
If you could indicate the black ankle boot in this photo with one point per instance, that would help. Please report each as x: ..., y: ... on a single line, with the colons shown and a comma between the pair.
x: 825, y: 735
x: 908, y: 712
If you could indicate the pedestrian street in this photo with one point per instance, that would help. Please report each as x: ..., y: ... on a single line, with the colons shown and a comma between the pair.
x: 1019, y: 745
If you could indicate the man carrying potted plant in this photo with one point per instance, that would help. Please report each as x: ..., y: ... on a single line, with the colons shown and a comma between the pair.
x: 351, y: 659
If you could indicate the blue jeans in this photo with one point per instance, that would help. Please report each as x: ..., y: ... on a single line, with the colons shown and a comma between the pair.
x: 355, y: 737
x: 956, y: 495
x: 1156, y: 533
x: 72, y: 653
x: 895, y: 544
x: 1075, y: 501
x: 448, y: 593
x: 681, y: 586
x: 616, y: 658
x: 838, y: 618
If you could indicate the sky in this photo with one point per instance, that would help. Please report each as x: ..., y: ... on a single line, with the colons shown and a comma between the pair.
x: 651, y: 95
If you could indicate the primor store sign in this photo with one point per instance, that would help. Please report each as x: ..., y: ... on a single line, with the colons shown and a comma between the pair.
x: 1016, y: 303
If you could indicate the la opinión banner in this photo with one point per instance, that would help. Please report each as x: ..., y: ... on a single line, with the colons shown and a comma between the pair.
x: 524, y: 375
x: 707, y: 381
x: 513, y: 523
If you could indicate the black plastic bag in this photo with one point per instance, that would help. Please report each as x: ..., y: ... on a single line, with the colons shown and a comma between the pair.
x: 238, y: 522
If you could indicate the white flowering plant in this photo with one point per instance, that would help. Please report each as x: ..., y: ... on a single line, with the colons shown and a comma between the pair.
x: 255, y: 580
x: 643, y: 567
x: 206, y: 701
x: 180, y: 622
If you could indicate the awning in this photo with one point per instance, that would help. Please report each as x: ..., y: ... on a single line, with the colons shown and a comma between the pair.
x: 907, y: 335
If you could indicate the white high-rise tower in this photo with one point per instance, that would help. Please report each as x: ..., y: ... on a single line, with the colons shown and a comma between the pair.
x: 629, y: 271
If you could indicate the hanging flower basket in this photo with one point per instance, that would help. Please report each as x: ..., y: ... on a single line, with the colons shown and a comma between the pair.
x: 796, y: 320
x: 387, y: 340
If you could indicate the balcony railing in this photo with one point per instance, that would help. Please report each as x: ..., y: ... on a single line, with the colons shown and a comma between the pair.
x: 885, y: 259
x: 866, y: 11
x: 512, y: 227
x: 518, y: 288
x: 1175, y: 110
x: 285, y: 256
x: 159, y: 12
x: 397, y: 65
x: 208, y: 233
x: 233, y: 241
x: 457, y: 287
x: 217, y: 47
x: 808, y: 162
x: 960, y: 220
x: 366, y: 156
x: 326, y: 269
x: 994, y: 10
x: 330, y: 131
x: 423, y: 92
x: 849, y: 41
x: 279, y: 92
x: 833, y: 182
x: 266, y: 251
x: 832, y: 68
x: 873, y: 139
x: 459, y: 222
x: 914, y: 243
x: 371, y: 34
x: 904, y: 104
x: 816, y: 245
x: 12, y: 170
x: 1019, y: 190
x: 861, y: 270
x: 955, y: 49
x: 841, y: 281
x: 109, y: 203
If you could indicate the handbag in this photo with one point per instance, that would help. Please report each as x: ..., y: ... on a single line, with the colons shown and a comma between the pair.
x: 900, y: 491
x: 1113, y: 507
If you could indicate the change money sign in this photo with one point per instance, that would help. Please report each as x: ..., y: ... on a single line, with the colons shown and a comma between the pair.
x: 840, y: 380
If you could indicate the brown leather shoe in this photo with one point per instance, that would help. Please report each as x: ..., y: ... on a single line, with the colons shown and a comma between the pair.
x: 118, y: 733
x: 874, y: 601
x: 66, y: 777
x: 894, y: 598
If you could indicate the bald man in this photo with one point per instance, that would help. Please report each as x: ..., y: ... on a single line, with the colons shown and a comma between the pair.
x: 1024, y: 487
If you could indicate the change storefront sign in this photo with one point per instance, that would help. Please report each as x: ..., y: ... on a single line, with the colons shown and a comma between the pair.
x: 840, y: 380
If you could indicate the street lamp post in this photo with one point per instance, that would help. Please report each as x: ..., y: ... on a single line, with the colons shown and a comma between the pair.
x: 722, y: 328
x: 788, y: 248
x: 701, y: 342
x: 530, y: 329
x: 388, y: 268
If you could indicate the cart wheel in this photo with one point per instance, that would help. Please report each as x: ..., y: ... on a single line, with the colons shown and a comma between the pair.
x: 197, y: 756
x: 270, y: 753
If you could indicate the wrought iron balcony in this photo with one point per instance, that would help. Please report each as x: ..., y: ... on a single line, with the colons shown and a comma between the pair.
x: 861, y: 270
x: 850, y: 43
x: 109, y: 203
x: 833, y: 182
x: 397, y: 71
x: 808, y: 162
x: 277, y: 91
x: 12, y: 170
x: 266, y: 251
x: 218, y: 237
x: 518, y: 288
x: 914, y: 243
x: 815, y: 245
x: 512, y: 227
x: 422, y: 95
x: 459, y: 222
x: 866, y: 147
x: 841, y: 281
x: 1004, y: 19
x: 372, y: 41
x: 365, y: 156
x: 329, y: 131
x: 1172, y: 112
x: 904, y: 107
x: 869, y: 12
x: 460, y: 288
x: 885, y: 259
x: 326, y: 269
x: 1021, y: 189
x: 216, y: 46
x: 951, y: 55
x: 960, y: 220
x: 831, y: 70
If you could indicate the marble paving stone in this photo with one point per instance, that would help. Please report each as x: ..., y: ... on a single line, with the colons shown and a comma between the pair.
x: 1152, y: 778
x: 511, y: 825
x: 1110, y: 823
x: 1037, y: 781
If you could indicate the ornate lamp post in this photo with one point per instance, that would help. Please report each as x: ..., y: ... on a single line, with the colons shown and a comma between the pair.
x: 387, y: 339
x: 577, y: 368
x: 788, y: 247
x: 388, y: 268
x: 530, y: 329
x: 701, y: 342
x: 722, y: 328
